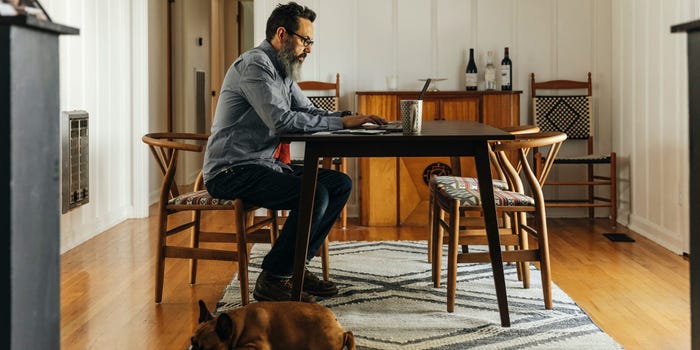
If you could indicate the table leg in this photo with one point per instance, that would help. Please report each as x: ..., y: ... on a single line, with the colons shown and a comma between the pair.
x: 488, y: 204
x: 306, y: 204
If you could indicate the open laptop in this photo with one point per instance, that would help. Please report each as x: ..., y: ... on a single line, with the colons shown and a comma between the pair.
x: 392, y: 126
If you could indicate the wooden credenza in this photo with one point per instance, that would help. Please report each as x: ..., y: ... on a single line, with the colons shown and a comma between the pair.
x: 394, y: 191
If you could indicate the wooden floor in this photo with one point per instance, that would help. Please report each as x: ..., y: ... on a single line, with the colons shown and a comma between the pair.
x: 636, y: 292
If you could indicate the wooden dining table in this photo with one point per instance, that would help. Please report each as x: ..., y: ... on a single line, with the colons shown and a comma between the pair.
x: 453, y: 138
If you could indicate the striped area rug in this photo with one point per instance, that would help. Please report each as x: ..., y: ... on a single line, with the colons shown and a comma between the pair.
x: 387, y: 300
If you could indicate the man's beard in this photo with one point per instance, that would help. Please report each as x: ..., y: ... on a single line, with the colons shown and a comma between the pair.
x: 290, y: 61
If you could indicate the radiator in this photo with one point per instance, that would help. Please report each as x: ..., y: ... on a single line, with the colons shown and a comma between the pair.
x: 75, y: 172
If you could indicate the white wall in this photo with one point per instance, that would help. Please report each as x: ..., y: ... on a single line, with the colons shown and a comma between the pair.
x: 104, y: 71
x: 650, y: 94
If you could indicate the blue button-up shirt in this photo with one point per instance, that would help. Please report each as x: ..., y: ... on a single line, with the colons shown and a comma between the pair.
x: 257, y: 103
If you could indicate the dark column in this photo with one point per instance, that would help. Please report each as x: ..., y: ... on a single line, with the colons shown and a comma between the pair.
x: 29, y: 121
x: 693, y: 29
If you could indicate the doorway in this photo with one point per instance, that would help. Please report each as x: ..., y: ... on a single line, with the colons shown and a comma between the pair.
x: 231, y: 35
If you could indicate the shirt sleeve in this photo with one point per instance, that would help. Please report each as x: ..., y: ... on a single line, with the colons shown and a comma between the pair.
x: 267, y: 93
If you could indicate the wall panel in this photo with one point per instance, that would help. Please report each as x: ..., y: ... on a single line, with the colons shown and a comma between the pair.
x: 451, y: 58
x: 650, y: 102
x: 96, y: 76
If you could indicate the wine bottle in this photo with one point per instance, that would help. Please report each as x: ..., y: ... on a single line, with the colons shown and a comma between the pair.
x: 490, y: 74
x: 506, y: 72
x: 471, y: 74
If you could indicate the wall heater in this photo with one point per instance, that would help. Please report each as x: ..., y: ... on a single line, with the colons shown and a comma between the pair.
x: 75, y: 172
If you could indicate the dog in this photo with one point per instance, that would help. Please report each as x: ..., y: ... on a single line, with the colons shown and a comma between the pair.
x: 271, y: 325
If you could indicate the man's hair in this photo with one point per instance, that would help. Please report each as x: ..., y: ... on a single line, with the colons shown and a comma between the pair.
x: 287, y: 16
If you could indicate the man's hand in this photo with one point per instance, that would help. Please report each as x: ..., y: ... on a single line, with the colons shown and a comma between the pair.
x: 353, y: 121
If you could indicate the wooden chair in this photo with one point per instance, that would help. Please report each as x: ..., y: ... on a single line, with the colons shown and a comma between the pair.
x: 166, y: 148
x: 330, y: 102
x: 452, y: 202
x: 572, y: 114
x: 499, y: 182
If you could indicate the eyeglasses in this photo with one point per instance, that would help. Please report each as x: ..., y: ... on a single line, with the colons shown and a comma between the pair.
x: 305, y: 40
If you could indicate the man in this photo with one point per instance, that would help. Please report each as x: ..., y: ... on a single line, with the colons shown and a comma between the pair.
x: 259, y: 100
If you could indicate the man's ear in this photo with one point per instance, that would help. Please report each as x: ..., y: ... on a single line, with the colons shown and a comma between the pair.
x: 224, y: 327
x: 280, y: 33
x: 204, y: 314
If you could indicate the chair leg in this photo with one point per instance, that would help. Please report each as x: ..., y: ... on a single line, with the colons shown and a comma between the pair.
x: 194, y: 243
x: 543, y: 247
x: 453, y: 233
x: 325, y: 260
x: 438, y: 244
x: 274, y: 226
x: 591, y: 193
x: 431, y: 225
x: 613, y: 190
x: 344, y: 213
x: 513, y: 226
x: 520, y: 220
x: 160, y: 257
x: 436, y: 248
x: 241, y: 221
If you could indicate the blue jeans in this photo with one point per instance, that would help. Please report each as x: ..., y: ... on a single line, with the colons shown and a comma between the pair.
x: 263, y: 187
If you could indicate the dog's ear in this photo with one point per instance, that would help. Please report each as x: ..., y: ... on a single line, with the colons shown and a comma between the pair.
x: 224, y: 327
x: 204, y: 314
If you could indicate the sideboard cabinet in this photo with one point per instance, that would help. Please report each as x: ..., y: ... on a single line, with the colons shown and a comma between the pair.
x: 394, y: 191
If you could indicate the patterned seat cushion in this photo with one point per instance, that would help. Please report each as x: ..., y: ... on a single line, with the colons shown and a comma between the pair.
x: 471, y: 198
x: 199, y: 198
x: 462, y: 182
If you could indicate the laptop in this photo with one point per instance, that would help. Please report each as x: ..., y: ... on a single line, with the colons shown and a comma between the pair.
x: 392, y: 126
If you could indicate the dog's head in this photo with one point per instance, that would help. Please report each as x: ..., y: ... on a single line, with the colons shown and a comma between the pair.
x: 212, y: 333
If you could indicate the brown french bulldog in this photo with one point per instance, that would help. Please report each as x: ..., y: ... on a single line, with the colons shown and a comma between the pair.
x: 270, y: 326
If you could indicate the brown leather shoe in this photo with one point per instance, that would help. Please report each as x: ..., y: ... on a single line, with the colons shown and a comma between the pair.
x: 269, y: 288
x: 316, y: 286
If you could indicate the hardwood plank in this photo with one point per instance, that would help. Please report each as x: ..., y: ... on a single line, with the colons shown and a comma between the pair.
x: 636, y: 292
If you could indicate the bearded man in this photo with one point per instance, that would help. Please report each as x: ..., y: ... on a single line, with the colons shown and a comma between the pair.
x: 260, y: 100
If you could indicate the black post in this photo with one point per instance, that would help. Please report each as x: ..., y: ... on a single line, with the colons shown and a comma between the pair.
x: 693, y: 30
x: 30, y: 158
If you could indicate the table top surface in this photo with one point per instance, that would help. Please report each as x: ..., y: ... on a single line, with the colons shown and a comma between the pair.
x: 442, y: 130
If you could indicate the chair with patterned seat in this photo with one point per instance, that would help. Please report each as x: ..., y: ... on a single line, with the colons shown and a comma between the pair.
x: 499, y: 182
x: 452, y: 202
x: 166, y: 148
x: 572, y: 114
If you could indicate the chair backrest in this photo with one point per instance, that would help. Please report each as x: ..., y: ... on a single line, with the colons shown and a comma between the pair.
x: 522, y: 145
x: 327, y: 102
x: 165, y: 148
x: 570, y: 114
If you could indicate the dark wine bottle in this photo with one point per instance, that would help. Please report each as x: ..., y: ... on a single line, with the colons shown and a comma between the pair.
x: 471, y: 80
x: 506, y: 72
